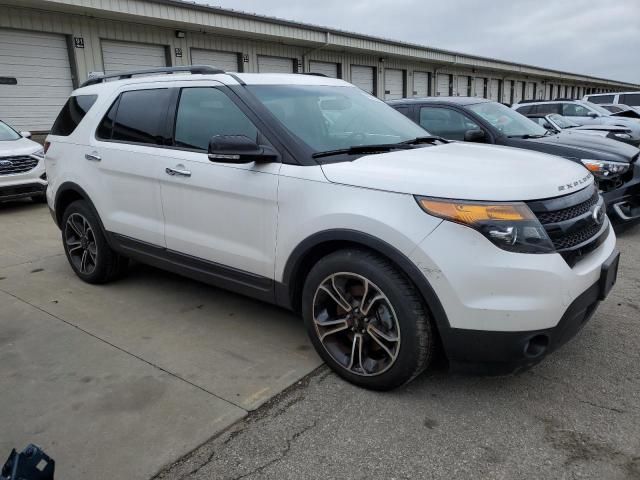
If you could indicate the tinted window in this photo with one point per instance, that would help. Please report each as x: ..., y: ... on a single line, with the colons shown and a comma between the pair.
x: 141, y: 117
x: 631, y: 99
x: 601, y: 99
x: 446, y: 123
x: 404, y: 110
x: 105, y: 129
x: 205, y: 112
x: 525, y: 109
x: 574, y: 110
x: 505, y: 120
x: 547, y: 108
x: 72, y: 113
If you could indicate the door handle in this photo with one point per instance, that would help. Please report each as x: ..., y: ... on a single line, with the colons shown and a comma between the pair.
x: 177, y: 172
x: 94, y: 157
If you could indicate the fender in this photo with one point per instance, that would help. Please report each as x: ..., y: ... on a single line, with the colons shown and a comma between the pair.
x: 287, y: 290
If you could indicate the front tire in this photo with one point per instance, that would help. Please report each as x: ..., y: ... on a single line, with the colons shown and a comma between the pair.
x: 366, y: 320
x: 86, y: 247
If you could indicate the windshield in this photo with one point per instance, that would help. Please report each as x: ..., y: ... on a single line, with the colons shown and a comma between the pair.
x: 563, y: 122
x: 507, y: 121
x: 330, y: 118
x: 7, y: 133
x: 598, y: 108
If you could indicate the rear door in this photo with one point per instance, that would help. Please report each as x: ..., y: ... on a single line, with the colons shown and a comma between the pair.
x: 127, y: 151
x: 223, y: 213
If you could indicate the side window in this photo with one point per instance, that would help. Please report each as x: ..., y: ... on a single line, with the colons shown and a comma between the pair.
x: 601, y: 99
x: 404, y: 110
x: 204, y: 112
x: 574, y: 110
x: 547, y: 108
x: 446, y: 123
x: 72, y: 114
x: 631, y: 99
x: 105, y: 129
x: 525, y: 110
x: 141, y: 117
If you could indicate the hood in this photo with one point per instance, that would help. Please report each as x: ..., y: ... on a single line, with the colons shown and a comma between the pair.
x: 632, y: 124
x: 22, y: 146
x: 464, y: 171
x: 570, y: 144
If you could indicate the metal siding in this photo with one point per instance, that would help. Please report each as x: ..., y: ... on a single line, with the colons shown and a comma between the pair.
x: 421, y: 84
x: 125, y: 56
x: 267, y: 64
x: 393, y: 84
x: 228, y: 61
x: 325, y: 68
x: 363, y: 77
x: 40, y: 64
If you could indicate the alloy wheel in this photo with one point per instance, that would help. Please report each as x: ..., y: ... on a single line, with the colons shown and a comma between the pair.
x: 80, y: 243
x: 356, y: 324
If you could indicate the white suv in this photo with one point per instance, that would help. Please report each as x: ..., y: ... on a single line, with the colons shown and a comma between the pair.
x: 309, y: 193
x: 22, y: 171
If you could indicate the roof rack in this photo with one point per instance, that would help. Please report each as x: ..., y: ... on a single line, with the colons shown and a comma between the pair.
x: 193, y: 69
x: 314, y: 74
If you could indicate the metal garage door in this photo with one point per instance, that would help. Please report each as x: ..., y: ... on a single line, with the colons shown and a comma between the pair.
x: 325, y: 68
x: 517, y: 92
x: 530, y: 91
x: 443, y: 85
x: 507, y: 86
x: 462, y: 86
x: 393, y: 84
x: 478, y: 87
x: 363, y: 77
x: 421, y: 84
x: 494, y: 90
x: 123, y: 56
x: 227, y: 61
x: 548, y: 95
x: 39, y: 63
x: 275, y: 64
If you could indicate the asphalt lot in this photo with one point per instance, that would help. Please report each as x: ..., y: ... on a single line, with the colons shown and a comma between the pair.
x: 576, y: 415
x: 117, y: 381
x: 124, y: 380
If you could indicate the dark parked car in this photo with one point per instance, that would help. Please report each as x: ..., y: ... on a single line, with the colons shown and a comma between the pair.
x: 614, y: 164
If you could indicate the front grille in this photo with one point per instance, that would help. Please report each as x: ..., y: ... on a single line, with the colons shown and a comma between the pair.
x: 569, y: 212
x: 13, y: 165
x: 571, y: 224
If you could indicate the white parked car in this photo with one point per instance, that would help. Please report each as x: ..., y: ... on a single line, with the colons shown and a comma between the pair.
x: 22, y: 171
x: 309, y: 193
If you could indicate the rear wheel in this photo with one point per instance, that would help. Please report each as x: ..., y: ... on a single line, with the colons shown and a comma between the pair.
x: 86, y: 247
x: 366, y: 320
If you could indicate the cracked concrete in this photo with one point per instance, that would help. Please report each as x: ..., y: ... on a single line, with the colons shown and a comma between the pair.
x: 576, y: 415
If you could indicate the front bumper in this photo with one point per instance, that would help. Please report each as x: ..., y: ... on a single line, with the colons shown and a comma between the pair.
x: 497, y: 302
x: 623, y: 203
x: 14, y: 192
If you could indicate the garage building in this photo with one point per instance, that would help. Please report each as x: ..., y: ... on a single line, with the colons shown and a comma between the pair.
x: 49, y: 47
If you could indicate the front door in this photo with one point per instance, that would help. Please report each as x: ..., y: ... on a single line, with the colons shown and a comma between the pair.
x: 223, y: 213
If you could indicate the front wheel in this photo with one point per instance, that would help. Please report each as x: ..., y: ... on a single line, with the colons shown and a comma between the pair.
x: 366, y: 320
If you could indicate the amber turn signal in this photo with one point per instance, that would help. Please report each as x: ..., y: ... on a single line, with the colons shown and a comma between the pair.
x: 470, y: 213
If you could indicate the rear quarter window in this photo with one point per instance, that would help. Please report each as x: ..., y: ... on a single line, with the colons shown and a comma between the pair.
x: 72, y: 114
x: 631, y: 99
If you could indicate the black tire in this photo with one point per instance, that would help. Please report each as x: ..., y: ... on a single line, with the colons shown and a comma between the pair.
x: 102, y: 264
x: 415, y: 336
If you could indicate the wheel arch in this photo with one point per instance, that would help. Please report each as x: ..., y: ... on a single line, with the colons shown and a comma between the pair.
x: 67, y: 193
x: 313, y: 248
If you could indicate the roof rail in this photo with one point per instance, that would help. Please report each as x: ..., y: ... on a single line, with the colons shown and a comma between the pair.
x: 193, y: 69
x: 565, y: 99
x: 531, y: 100
x: 314, y: 74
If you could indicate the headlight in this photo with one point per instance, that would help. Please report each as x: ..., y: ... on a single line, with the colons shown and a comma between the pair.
x: 604, y: 168
x: 512, y: 226
x: 39, y: 153
x: 626, y: 136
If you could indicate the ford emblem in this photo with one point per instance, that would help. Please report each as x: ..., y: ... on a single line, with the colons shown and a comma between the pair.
x: 6, y: 163
x: 598, y: 214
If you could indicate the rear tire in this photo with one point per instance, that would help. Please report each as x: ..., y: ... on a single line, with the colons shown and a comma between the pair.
x: 366, y: 320
x: 86, y: 247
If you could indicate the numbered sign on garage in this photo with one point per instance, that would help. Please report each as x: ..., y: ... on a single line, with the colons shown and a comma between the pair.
x: 363, y: 77
x: 420, y: 84
x: 325, y: 68
x: 37, y: 76
x: 125, y: 56
x: 275, y: 64
x: 393, y: 84
x: 228, y: 61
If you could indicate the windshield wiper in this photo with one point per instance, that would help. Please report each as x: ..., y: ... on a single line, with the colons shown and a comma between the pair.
x: 426, y: 139
x: 526, y: 136
x: 358, y: 149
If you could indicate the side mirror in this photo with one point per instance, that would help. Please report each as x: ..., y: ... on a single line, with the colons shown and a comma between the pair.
x: 238, y: 149
x: 548, y: 126
x: 476, y: 135
x: 25, y: 134
x: 592, y: 115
